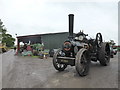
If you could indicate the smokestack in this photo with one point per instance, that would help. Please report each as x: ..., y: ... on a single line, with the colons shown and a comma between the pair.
x: 71, y: 22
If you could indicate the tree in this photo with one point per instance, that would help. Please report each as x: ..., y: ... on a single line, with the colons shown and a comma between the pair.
x: 4, y: 37
x: 112, y: 43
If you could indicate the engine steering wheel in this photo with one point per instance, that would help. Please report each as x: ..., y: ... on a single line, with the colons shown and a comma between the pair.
x: 98, y: 39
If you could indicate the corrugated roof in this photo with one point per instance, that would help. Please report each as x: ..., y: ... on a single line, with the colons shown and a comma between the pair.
x: 36, y: 35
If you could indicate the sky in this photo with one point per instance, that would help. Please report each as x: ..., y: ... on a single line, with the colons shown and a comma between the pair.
x: 28, y: 17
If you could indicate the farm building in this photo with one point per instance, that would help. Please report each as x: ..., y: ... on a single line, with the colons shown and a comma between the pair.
x: 50, y: 40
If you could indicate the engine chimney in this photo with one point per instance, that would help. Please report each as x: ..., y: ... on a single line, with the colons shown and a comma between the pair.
x: 71, y: 22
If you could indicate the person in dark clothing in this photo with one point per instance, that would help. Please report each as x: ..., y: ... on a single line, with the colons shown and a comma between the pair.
x: 25, y: 46
x: 14, y: 49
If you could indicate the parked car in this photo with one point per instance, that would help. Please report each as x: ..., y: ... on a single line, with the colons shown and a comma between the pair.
x: 52, y: 51
x: 115, y: 51
x: 3, y: 48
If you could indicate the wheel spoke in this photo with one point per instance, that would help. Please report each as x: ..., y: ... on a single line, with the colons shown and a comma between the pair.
x: 60, y: 65
x: 83, y: 63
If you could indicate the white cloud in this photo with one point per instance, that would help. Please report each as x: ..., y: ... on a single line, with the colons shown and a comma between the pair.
x: 26, y: 17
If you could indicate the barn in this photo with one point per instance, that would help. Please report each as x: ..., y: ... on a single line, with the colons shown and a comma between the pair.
x: 50, y: 40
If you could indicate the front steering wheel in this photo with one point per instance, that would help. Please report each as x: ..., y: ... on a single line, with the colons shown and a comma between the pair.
x: 98, y: 39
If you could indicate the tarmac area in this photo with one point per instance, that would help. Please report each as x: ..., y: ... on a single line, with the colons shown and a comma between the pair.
x: 29, y: 72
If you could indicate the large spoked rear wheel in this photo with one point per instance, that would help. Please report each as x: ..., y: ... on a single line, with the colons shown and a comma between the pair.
x: 104, y: 54
x: 82, y: 62
x: 58, y: 66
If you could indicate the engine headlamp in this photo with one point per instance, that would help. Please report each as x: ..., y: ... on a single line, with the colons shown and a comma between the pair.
x: 80, y: 38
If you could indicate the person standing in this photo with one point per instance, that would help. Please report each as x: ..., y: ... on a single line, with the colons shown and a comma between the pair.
x: 14, y: 49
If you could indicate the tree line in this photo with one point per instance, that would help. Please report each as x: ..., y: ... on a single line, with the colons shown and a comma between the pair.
x: 5, y: 38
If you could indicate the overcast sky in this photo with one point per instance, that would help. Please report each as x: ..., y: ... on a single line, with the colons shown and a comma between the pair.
x: 28, y: 17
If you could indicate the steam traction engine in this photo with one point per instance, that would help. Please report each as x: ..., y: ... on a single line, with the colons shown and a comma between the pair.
x: 78, y: 51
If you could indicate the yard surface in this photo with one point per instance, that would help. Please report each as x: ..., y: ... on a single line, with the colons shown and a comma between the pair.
x: 29, y: 72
